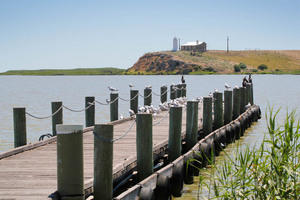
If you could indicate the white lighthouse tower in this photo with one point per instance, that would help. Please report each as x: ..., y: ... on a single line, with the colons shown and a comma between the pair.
x: 175, y: 44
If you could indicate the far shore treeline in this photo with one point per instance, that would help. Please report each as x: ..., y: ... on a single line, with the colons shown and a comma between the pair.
x: 193, y: 63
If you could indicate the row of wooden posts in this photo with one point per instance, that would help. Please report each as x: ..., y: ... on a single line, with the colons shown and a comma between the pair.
x: 70, y: 142
x: 19, y: 114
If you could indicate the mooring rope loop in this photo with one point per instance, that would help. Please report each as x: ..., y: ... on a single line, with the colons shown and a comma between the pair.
x: 164, y: 117
x: 116, y: 139
x: 104, y: 104
x: 145, y: 96
x: 131, y: 98
x: 36, y: 117
x: 72, y: 110
x: 48, y: 135
x: 159, y: 95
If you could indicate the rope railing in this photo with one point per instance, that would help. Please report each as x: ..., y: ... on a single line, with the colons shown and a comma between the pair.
x: 129, y: 99
x: 164, y: 117
x: 145, y: 96
x: 159, y: 95
x: 93, y: 103
x: 116, y: 139
x: 36, y: 117
x: 72, y: 110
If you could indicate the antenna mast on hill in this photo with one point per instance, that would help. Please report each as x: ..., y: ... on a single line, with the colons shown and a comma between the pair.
x: 227, y: 44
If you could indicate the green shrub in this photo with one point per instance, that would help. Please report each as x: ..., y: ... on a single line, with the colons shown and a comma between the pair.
x: 243, y: 65
x: 262, y: 67
x: 254, y: 70
x: 237, y: 68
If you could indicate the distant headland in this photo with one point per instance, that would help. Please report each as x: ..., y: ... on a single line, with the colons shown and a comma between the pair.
x: 191, y: 62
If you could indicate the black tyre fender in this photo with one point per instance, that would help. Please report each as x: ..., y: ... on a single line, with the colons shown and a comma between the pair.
x: 176, y: 180
x: 163, y: 188
x: 146, y: 194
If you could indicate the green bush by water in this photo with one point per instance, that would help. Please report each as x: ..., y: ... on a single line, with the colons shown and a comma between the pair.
x: 268, y: 172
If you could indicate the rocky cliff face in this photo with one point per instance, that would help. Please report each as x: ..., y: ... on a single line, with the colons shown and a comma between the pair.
x: 161, y: 63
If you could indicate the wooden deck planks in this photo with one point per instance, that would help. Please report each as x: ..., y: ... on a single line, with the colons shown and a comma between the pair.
x: 32, y: 174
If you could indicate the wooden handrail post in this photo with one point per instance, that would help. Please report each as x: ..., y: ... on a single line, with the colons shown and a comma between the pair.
x: 134, y: 102
x: 243, y: 99
x: 172, y: 92
x: 114, y: 106
x: 175, y: 126
x: 58, y: 117
x: 183, y: 89
x: 236, y: 103
x: 148, y: 96
x: 207, y: 116
x: 218, y: 110
x: 70, y: 181
x: 163, y: 94
x: 90, y: 112
x: 103, y: 162
x: 227, y: 106
x: 191, y: 124
x: 20, y: 133
x: 144, y: 145
x: 248, y: 93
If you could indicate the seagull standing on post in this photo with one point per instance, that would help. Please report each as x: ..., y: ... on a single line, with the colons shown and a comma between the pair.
x: 227, y: 86
x: 112, y: 89
x: 131, y: 86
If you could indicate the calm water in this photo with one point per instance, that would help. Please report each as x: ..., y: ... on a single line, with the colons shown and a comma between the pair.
x: 36, y: 93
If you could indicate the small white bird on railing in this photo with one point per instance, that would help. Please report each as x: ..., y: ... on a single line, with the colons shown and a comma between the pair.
x: 107, y: 101
x: 236, y: 87
x: 216, y: 90
x: 200, y: 99
x: 121, y: 116
x: 248, y: 105
x: 172, y: 84
x: 112, y: 89
x: 210, y: 94
x: 154, y: 115
x: 131, y: 85
x: 148, y: 87
x: 131, y: 112
x: 227, y: 86
x: 141, y: 109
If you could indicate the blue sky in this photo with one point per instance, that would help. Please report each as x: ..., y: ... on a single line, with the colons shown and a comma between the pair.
x: 63, y: 34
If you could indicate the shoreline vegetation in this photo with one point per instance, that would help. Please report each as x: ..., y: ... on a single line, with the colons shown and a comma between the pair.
x: 267, y: 171
x: 193, y: 63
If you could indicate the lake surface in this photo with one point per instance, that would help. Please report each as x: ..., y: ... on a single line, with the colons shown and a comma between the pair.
x: 36, y: 93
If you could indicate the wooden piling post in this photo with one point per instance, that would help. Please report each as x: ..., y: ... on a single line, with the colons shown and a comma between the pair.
x: 70, y: 162
x: 243, y: 99
x: 175, y: 126
x: 20, y: 134
x: 134, y: 102
x: 103, y: 162
x: 179, y: 91
x: 191, y: 124
x: 163, y: 94
x: 114, y: 106
x: 251, y: 95
x: 227, y: 106
x: 144, y: 145
x: 218, y: 110
x: 236, y: 103
x: 248, y: 93
x: 207, y: 116
x: 90, y: 112
x: 183, y: 89
x: 148, y: 97
x: 58, y: 117
x: 172, y: 92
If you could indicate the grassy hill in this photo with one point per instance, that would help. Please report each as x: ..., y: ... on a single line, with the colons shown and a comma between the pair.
x: 217, y: 62
x: 79, y: 71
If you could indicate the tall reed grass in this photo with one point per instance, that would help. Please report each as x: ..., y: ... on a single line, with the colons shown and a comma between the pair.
x: 269, y: 171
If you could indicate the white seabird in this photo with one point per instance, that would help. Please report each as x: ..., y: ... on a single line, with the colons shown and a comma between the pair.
x: 227, y: 86
x: 112, y: 89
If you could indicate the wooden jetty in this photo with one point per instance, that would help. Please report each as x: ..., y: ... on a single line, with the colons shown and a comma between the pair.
x: 30, y: 172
